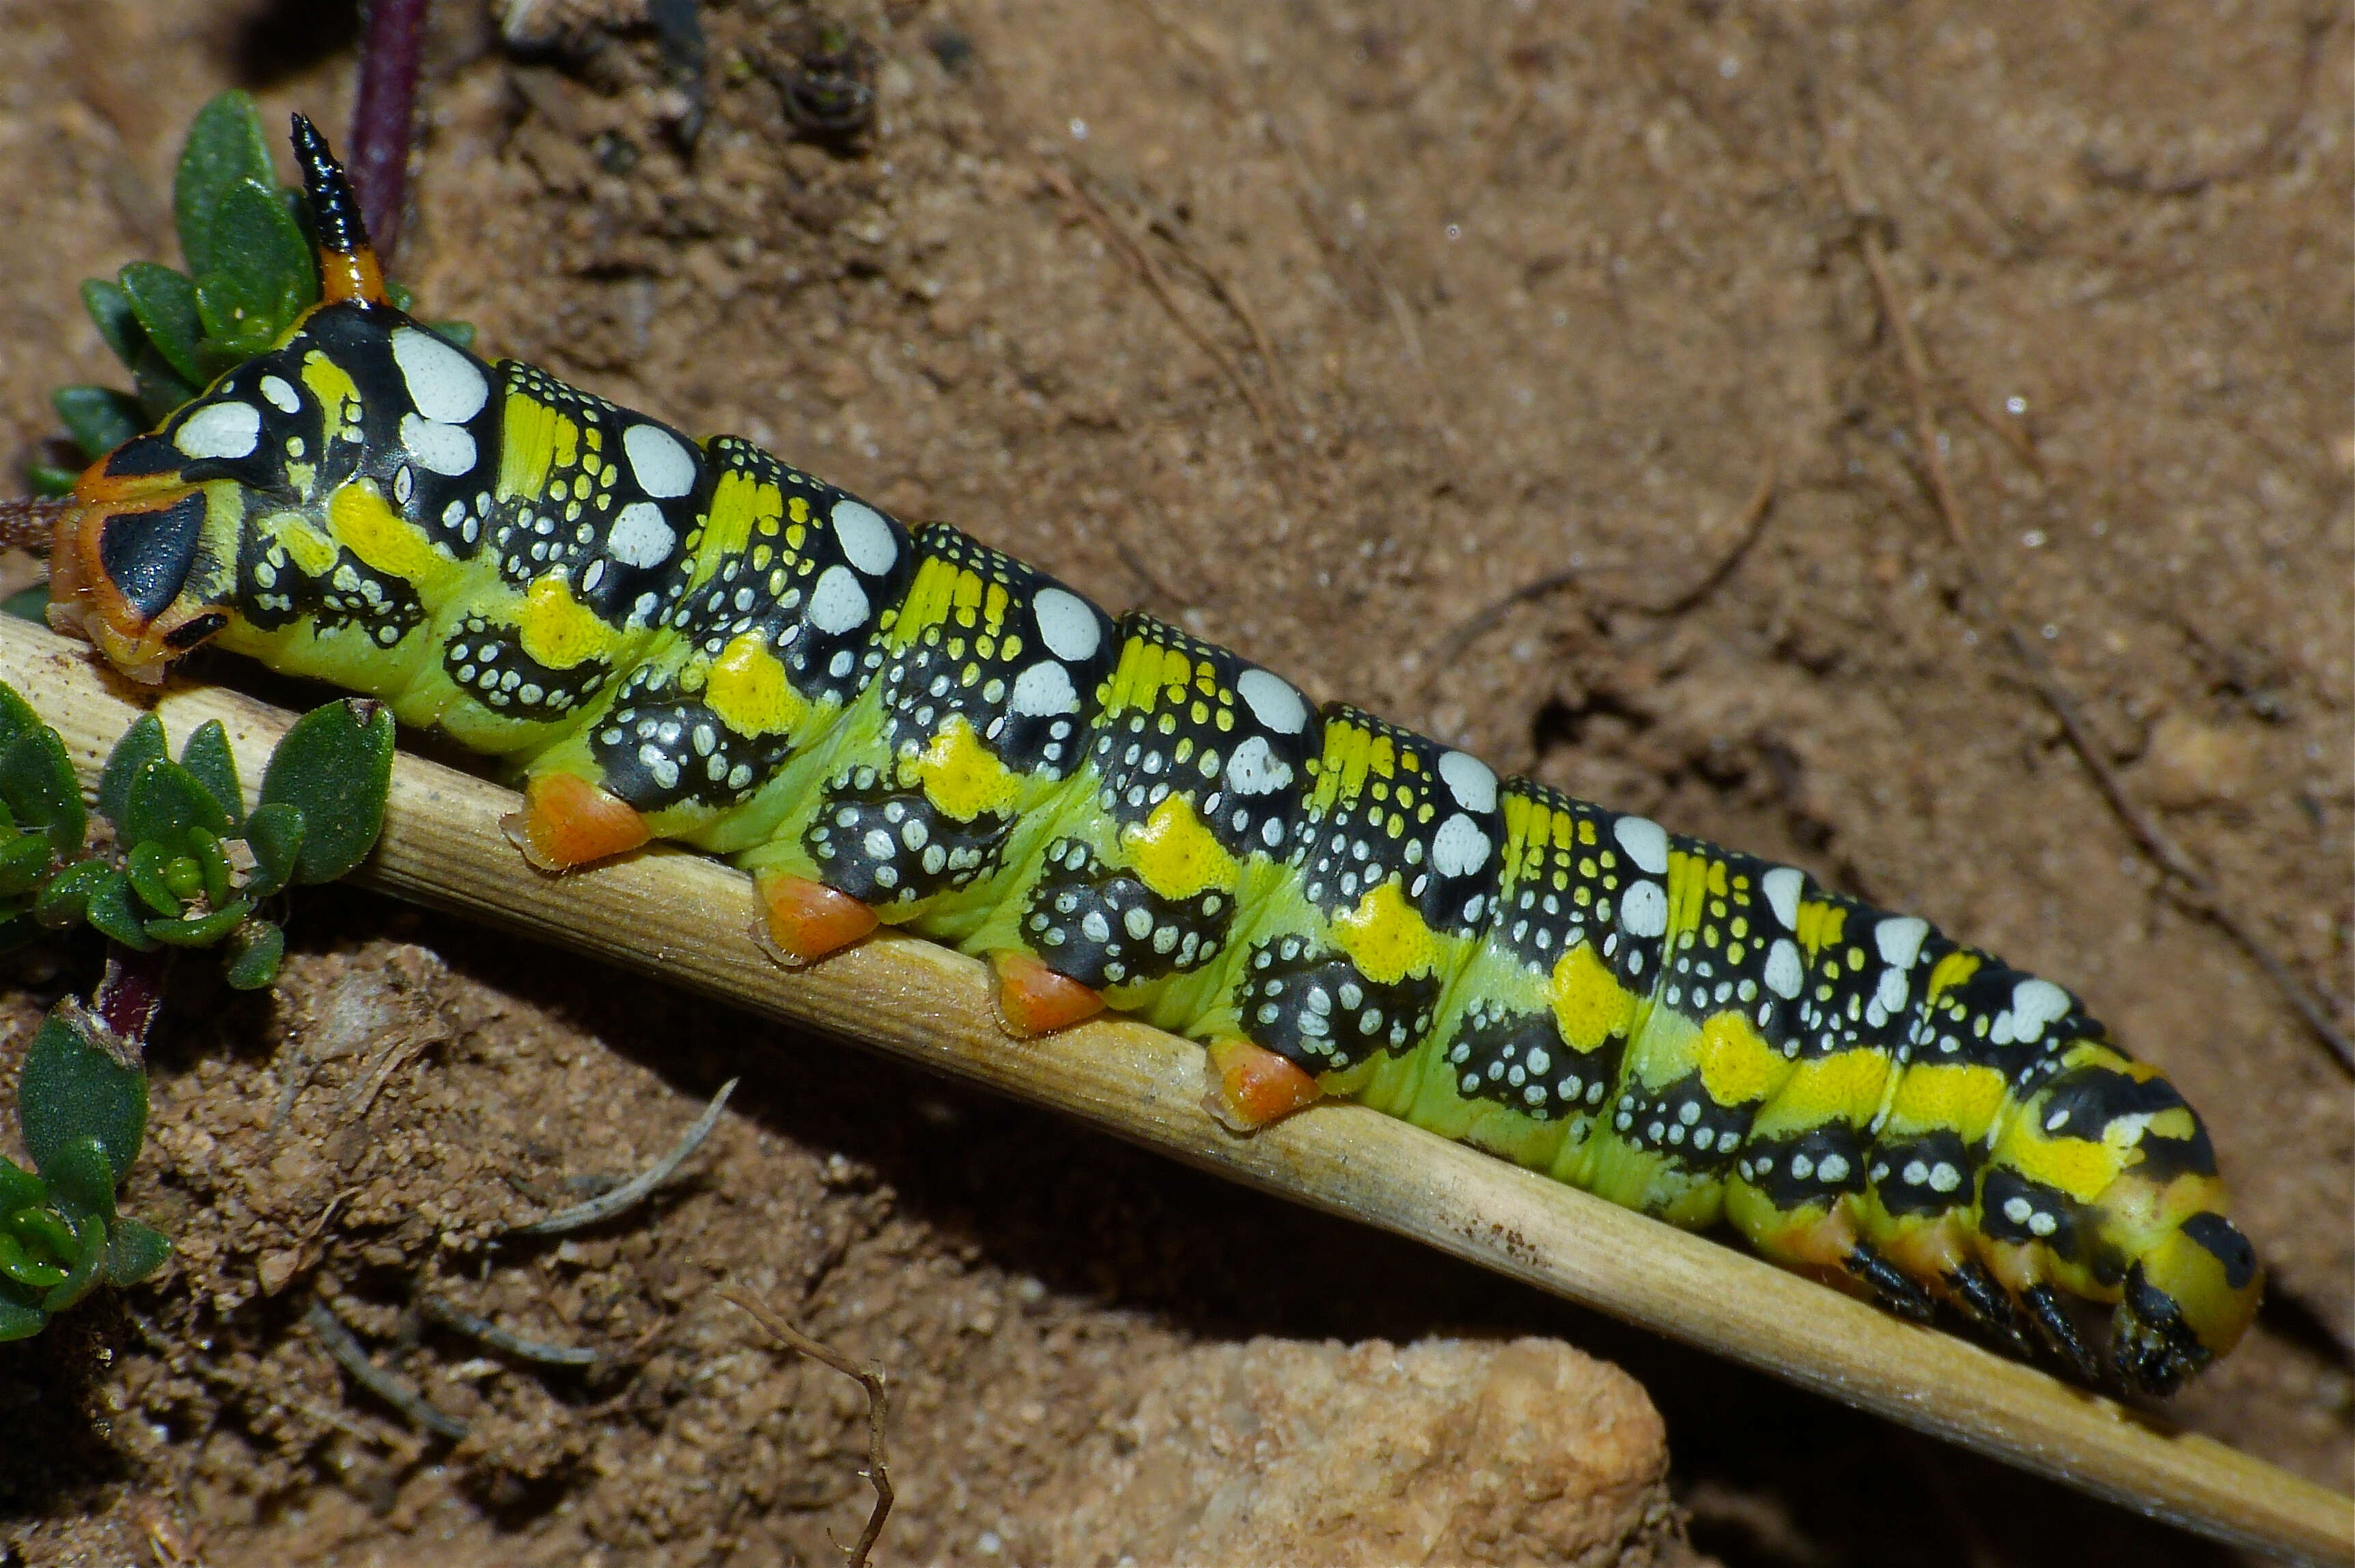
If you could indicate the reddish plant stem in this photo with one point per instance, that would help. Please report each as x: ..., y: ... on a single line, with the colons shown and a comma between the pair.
x: 390, y: 52
x: 130, y: 992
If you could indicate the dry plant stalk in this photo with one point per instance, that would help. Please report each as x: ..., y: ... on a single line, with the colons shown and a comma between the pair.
x: 688, y: 920
x: 870, y: 1378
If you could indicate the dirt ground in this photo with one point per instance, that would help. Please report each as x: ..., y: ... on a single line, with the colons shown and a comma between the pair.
x: 1321, y: 327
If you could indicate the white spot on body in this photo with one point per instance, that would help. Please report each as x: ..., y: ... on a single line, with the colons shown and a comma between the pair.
x: 1890, y: 995
x: 1645, y: 841
x: 867, y: 540
x: 1068, y: 624
x: 837, y: 604
x: 659, y: 461
x: 446, y: 449
x: 1459, y: 849
x: 1273, y: 701
x: 1782, y: 886
x: 640, y: 536
x: 281, y: 395
x: 1785, y: 973
x: 1899, y: 940
x: 445, y: 385
x: 1643, y: 912
x: 1254, y: 769
x: 2034, y: 1004
x: 1043, y: 690
x: 220, y: 430
x: 1470, y: 780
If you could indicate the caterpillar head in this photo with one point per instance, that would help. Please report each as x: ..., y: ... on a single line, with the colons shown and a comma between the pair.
x: 142, y: 565
x: 139, y: 565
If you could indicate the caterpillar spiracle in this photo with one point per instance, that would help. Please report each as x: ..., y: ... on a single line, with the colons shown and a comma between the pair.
x: 694, y: 641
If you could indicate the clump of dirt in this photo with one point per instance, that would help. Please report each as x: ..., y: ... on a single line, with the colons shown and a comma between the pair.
x: 1436, y: 361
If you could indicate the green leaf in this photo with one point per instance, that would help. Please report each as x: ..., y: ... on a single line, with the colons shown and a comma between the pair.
x: 73, y: 1089
x: 460, y: 332
x: 139, y: 745
x: 208, y: 757
x: 226, y: 149
x: 166, y: 303
x: 67, y: 897
x: 262, y: 274
x: 18, y: 1262
x: 212, y: 865
x: 255, y: 953
x: 22, y: 861
x: 400, y: 296
x: 114, y: 913
x: 336, y: 767
x: 19, y: 1188
x: 109, y: 308
x: 44, y: 1234
x: 275, y: 833
x: 144, y: 867
x: 42, y: 479
x: 203, y: 930
x: 100, y: 419
x: 16, y: 717
x: 18, y: 1320
x: 82, y: 1178
x: 164, y: 803
x: 161, y: 389
x: 36, y: 780
x: 134, y: 1252
x: 89, y: 1256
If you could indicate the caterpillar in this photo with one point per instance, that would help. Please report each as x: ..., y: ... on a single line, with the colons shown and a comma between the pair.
x: 693, y: 641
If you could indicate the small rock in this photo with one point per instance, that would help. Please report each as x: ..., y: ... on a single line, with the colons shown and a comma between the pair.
x: 1443, y: 1451
x: 2190, y: 763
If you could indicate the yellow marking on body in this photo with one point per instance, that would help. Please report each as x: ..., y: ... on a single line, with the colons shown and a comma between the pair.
x: 557, y: 629
x: 1961, y: 1098
x: 748, y: 689
x: 1953, y: 970
x: 386, y: 540
x: 1385, y: 937
x: 534, y: 441
x: 1589, y: 1006
x: 927, y: 603
x: 2082, y: 1168
x: 1351, y: 755
x: 1174, y: 854
x: 305, y: 545
x: 963, y: 777
x: 738, y: 503
x: 1737, y: 1066
x: 339, y: 395
x: 1843, y: 1086
x: 1820, y: 926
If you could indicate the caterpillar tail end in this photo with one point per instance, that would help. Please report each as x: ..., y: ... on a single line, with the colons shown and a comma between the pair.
x: 1032, y: 999
x: 566, y: 822
x: 1251, y: 1086
x: 802, y: 921
x: 2186, y: 1302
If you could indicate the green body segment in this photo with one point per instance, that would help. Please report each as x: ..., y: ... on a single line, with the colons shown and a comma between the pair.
x: 766, y: 667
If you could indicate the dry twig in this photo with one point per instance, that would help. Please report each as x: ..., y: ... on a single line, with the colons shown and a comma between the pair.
x: 395, y: 1391
x: 870, y: 1378
x: 1748, y: 522
x: 2193, y: 888
x: 1141, y: 262
x: 606, y: 1205
x: 690, y: 920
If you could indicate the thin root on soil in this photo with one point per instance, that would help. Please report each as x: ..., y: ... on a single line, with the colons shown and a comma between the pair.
x: 870, y: 1378
x: 627, y: 1195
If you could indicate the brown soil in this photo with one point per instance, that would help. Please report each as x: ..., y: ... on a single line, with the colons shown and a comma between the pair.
x: 1439, y: 305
